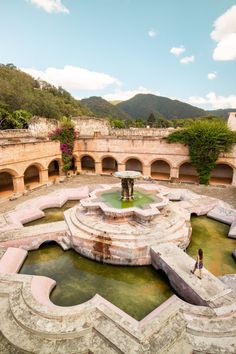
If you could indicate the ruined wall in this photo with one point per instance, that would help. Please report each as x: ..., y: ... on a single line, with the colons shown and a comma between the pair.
x: 89, y: 125
x: 232, y: 121
x: 139, y: 132
x: 40, y: 127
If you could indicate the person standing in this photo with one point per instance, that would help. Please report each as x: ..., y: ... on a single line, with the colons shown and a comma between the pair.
x: 199, y: 263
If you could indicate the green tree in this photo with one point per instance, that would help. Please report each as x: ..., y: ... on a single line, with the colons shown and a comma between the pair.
x: 206, y: 139
x: 151, y: 120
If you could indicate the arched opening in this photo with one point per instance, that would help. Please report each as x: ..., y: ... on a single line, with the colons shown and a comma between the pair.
x: 31, y: 177
x: 6, y: 184
x: 221, y: 174
x: 88, y: 164
x: 109, y: 165
x: 160, y: 170
x: 53, y: 169
x: 188, y: 173
x: 133, y: 165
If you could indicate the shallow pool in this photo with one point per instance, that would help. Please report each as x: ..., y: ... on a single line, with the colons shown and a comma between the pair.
x: 211, y: 236
x: 136, y: 290
x: 53, y: 214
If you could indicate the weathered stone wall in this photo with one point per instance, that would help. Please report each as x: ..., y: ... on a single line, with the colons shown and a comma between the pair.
x: 89, y: 125
x: 141, y: 132
x: 40, y: 127
x: 232, y: 121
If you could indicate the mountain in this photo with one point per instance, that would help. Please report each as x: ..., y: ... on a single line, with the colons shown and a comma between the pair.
x: 104, y: 109
x: 19, y: 90
x: 142, y: 105
x: 222, y: 112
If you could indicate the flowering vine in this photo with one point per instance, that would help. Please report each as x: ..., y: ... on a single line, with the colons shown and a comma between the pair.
x: 66, y: 134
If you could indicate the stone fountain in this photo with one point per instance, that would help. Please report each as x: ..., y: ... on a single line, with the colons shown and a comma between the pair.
x: 119, y: 226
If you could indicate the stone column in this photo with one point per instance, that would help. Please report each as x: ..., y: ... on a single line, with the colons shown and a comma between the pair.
x: 234, y: 177
x: 98, y: 167
x: 121, y: 167
x: 174, y: 172
x: 78, y: 165
x: 43, y: 176
x: 147, y: 171
x: 18, y: 183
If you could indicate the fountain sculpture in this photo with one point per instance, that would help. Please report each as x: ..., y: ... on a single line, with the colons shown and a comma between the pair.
x: 127, y: 183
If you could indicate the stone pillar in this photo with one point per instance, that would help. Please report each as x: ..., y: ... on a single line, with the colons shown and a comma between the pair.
x: 98, y: 167
x: 234, y: 177
x: 174, y: 172
x: 43, y: 176
x: 147, y: 171
x: 121, y: 167
x: 78, y: 165
x: 18, y: 183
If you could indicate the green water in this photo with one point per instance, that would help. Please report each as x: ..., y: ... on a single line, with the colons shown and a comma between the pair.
x: 53, y: 214
x: 141, y: 200
x: 211, y: 236
x: 136, y: 290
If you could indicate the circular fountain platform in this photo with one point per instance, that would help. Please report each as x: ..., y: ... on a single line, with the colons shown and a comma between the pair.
x: 107, y: 229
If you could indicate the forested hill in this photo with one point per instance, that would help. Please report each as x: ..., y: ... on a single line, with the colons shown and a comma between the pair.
x: 142, y: 105
x: 102, y: 108
x: 19, y: 90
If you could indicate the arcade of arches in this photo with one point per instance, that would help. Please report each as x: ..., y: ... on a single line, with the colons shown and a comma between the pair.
x: 35, y: 175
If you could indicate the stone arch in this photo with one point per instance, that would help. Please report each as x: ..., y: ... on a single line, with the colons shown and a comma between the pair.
x: 109, y: 164
x: 87, y: 163
x: 188, y: 173
x: 54, y: 168
x: 6, y: 182
x: 222, y: 174
x: 160, y: 169
x: 32, y: 175
x: 133, y: 164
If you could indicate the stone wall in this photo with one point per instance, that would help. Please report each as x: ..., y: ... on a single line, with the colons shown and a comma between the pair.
x: 89, y: 125
x: 141, y: 132
x: 232, y: 121
x: 40, y: 127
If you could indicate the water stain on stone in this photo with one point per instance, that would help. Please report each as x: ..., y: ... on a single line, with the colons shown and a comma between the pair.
x: 101, y: 247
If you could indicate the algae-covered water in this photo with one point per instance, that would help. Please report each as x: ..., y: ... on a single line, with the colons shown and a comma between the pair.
x: 211, y: 236
x: 136, y: 290
x: 53, y: 214
x: 141, y: 200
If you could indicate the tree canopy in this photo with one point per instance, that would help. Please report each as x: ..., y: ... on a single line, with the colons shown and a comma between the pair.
x: 19, y: 91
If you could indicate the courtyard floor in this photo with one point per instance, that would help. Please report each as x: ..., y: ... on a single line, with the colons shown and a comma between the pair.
x: 227, y: 194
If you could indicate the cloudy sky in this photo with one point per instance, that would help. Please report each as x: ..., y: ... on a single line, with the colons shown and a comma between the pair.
x: 183, y: 49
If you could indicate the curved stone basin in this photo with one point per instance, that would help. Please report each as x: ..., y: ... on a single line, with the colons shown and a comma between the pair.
x: 135, y: 290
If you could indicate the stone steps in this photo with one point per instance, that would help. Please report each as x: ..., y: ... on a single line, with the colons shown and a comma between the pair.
x: 115, y: 335
x: 212, y: 345
x: 174, y: 231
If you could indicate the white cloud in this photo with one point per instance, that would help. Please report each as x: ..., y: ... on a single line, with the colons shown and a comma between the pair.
x: 224, y: 34
x: 213, y: 101
x: 187, y: 60
x: 177, y: 50
x: 120, y: 95
x: 211, y: 76
x: 152, y: 33
x: 50, y: 5
x: 74, y: 78
x: 226, y: 48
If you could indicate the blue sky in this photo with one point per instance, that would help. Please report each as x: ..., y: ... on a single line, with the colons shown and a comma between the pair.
x: 183, y: 49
